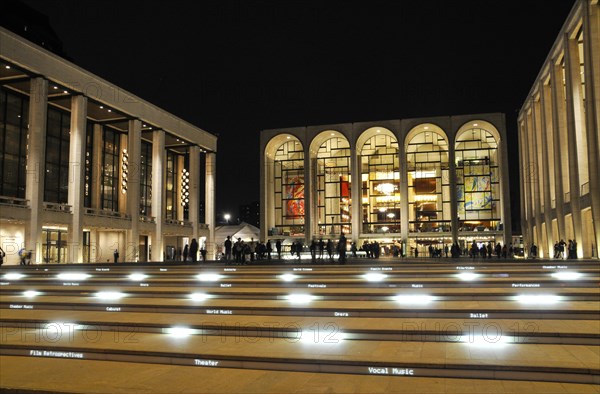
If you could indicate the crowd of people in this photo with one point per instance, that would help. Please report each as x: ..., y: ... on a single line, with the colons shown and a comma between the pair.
x: 561, y: 247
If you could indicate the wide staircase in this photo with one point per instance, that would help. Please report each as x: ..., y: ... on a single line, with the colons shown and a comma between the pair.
x: 424, y: 326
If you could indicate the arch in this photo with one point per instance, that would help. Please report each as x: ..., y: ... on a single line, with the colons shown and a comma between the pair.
x: 331, y: 158
x: 379, y: 166
x: 428, y: 174
x: 425, y: 127
x: 275, y: 143
x: 478, y: 124
x: 478, y: 175
x: 284, y: 174
x: 323, y: 136
x: 371, y: 132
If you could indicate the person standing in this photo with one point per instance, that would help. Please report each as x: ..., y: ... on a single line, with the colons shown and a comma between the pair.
x: 313, y: 251
x: 330, y: 249
x: 278, y: 248
x: 342, y: 249
x: 203, y: 252
x: 269, y: 249
x: 116, y: 255
x: 193, y: 250
x: 533, y: 251
x: 186, y: 251
x: 228, y: 246
x: 2, y: 255
x: 321, y: 248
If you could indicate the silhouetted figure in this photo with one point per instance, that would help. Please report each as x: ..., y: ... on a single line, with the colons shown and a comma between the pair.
x: 186, y: 251
x: 193, y: 250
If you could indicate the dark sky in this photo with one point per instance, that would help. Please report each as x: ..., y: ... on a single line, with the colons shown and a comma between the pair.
x: 234, y: 68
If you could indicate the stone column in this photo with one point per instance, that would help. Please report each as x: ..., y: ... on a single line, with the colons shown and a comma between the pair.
x: 134, y: 147
x: 556, y: 91
x: 570, y: 70
x: 309, y: 213
x: 77, y: 177
x: 194, y: 170
x: 537, y: 171
x: 453, y: 197
x: 505, y: 185
x: 527, y: 180
x: 210, y: 220
x: 524, y: 193
x: 404, y: 216
x: 549, y: 246
x: 36, y: 159
x: 356, y: 193
x: 591, y: 52
x: 159, y: 162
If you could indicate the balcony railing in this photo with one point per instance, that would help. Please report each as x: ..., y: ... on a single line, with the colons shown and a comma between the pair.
x: 176, y: 222
x: 106, y: 213
x: 147, y: 219
x: 57, y: 207
x: 13, y: 201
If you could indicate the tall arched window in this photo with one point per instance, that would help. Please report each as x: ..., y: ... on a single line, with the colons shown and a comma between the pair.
x: 477, y: 180
x: 288, y: 189
x: 428, y: 180
x: 333, y: 187
x: 380, y: 176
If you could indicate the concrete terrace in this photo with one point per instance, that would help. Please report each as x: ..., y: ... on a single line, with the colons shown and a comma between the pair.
x: 425, y: 325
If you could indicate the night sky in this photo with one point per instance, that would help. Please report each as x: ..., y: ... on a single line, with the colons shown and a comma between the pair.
x: 234, y: 68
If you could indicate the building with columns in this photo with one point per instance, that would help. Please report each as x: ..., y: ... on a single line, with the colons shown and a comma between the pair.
x: 87, y: 168
x: 421, y: 182
x: 559, y: 140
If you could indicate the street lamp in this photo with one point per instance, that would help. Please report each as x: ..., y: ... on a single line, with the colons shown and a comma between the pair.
x: 227, y: 216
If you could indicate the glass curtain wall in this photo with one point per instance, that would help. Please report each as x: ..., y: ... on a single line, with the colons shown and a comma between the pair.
x: 428, y: 183
x: 171, y: 186
x: 288, y: 169
x: 380, y: 179
x: 477, y: 181
x: 333, y: 187
x: 146, y: 179
x: 110, y: 169
x: 58, y: 131
x: 14, y: 110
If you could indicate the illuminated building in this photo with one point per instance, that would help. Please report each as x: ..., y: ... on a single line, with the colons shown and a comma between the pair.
x: 87, y: 168
x: 426, y: 181
x: 559, y: 140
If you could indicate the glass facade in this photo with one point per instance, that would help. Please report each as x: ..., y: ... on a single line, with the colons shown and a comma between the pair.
x: 54, y: 246
x: 477, y: 180
x: 288, y: 169
x: 58, y: 133
x: 171, y: 186
x: 110, y: 169
x: 146, y: 179
x: 333, y: 187
x: 380, y: 176
x: 14, y: 110
x: 442, y: 184
x: 428, y: 183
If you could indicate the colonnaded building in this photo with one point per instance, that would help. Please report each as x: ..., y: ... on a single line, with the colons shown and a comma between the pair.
x: 426, y: 181
x: 88, y: 168
x: 559, y: 140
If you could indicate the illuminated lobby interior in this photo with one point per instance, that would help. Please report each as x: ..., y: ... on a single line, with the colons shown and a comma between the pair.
x: 427, y: 181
